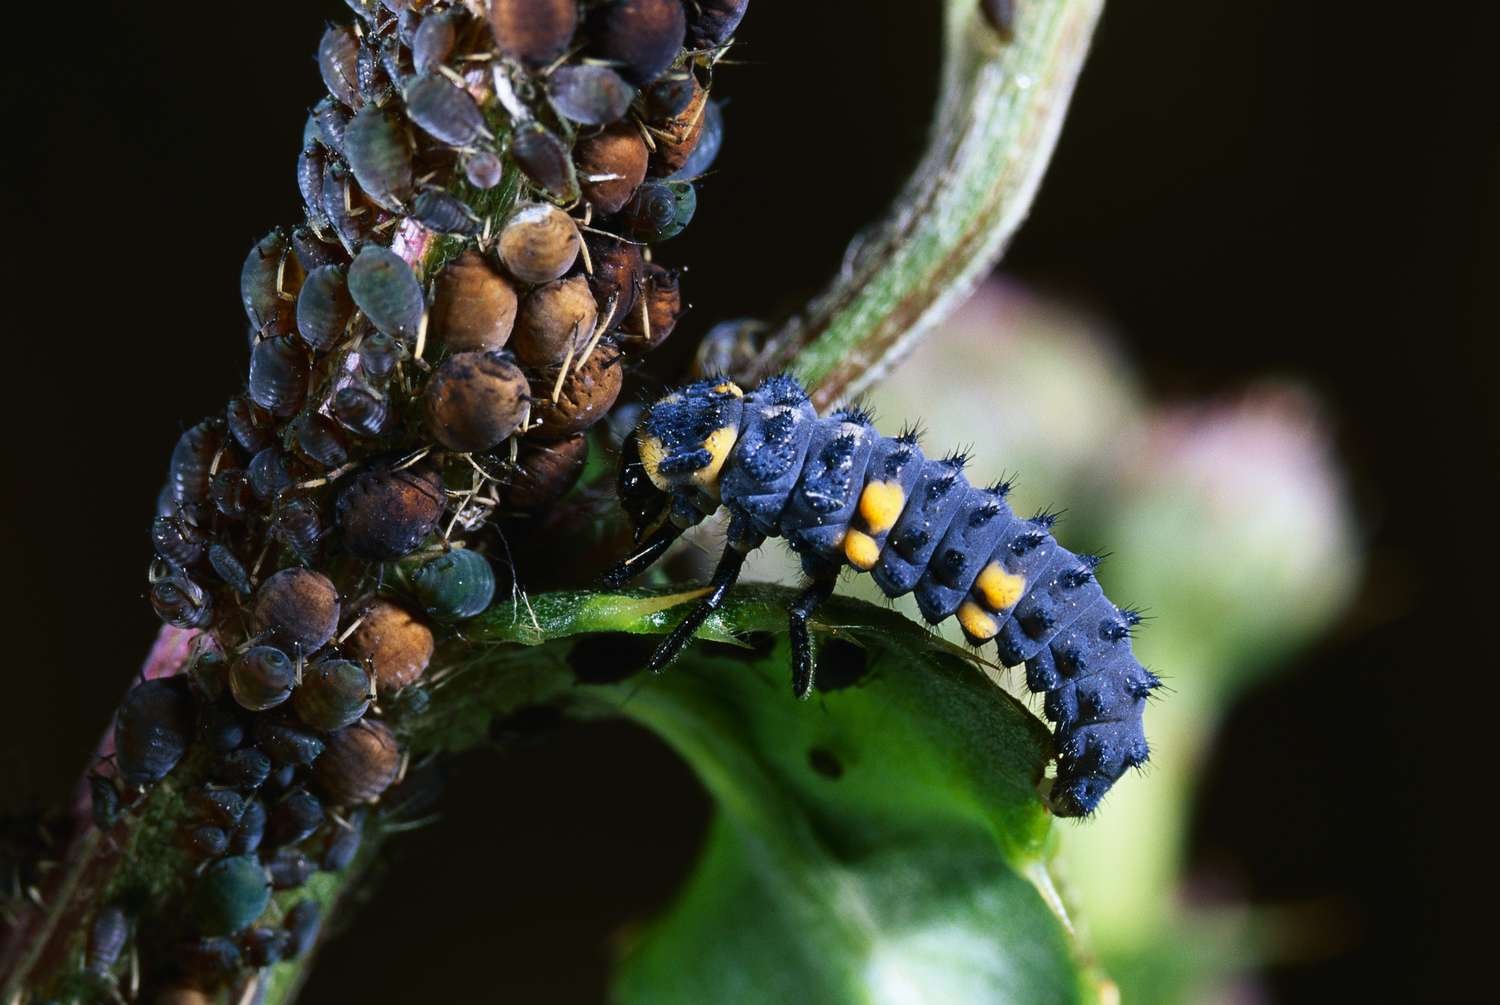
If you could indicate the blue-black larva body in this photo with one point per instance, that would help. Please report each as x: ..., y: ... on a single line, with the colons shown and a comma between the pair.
x: 841, y: 494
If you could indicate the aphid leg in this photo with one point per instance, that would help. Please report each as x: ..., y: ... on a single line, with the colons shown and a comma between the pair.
x: 724, y: 579
x: 802, y: 608
x: 648, y: 553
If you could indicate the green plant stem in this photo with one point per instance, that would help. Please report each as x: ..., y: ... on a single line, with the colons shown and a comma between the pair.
x: 1000, y: 110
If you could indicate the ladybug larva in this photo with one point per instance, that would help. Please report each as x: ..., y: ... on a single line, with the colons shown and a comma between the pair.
x: 841, y: 494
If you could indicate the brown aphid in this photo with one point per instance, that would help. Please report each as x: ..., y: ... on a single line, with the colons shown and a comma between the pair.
x: 556, y: 322
x: 618, y: 273
x: 393, y: 642
x: 656, y: 312
x: 269, y: 281
x: 545, y: 159
x: 611, y: 165
x: 338, y: 58
x: 538, y: 243
x: 297, y: 607
x: 475, y: 400
x: 677, y: 136
x: 473, y: 307
x: 359, y: 763
x: 589, y: 94
x: 641, y: 37
x: 543, y: 473
x: 534, y: 31
x: 587, y: 394
x: 484, y: 170
x: 387, y: 514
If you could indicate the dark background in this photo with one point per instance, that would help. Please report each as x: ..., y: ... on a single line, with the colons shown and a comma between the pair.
x: 1295, y: 188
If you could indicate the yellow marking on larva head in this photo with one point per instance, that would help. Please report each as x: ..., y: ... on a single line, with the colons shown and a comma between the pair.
x: 652, y: 452
x: 861, y: 550
x: 1000, y: 590
x: 729, y: 387
x: 976, y: 621
x: 718, y: 444
x: 880, y: 505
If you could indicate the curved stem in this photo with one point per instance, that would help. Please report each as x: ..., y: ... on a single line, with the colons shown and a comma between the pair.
x: 1000, y: 111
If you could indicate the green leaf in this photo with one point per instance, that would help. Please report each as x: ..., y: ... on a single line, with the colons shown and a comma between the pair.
x: 884, y: 842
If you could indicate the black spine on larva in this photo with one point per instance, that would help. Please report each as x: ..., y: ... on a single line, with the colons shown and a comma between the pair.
x: 962, y: 549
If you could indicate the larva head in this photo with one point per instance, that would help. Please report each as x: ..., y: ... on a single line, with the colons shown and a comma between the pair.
x: 687, y: 436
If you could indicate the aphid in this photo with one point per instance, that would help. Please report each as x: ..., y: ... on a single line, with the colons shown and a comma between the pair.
x: 221, y: 726
x: 589, y: 94
x: 533, y: 31
x: 152, y: 730
x: 192, y: 459
x: 287, y: 745
x: 230, y: 894
x: 269, y: 473
x: 228, y: 568
x: 432, y: 43
x: 324, y: 307
x: 546, y: 160
x: 538, y: 243
x: 618, y: 268
x: 386, y: 290
x: 439, y: 211
x: 344, y: 206
x: 249, y: 424
x: 242, y: 769
x: 333, y: 694
x: 296, y: 608
x: 709, y: 143
x: 265, y: 947
x: 585, y: 396
x: 678, y: 135
x: 310, y: 167
x: 395, y: 644
x: 713, y: 22
x: 319, y: 440
x: 269, y: 281
x: 612, y: 164
x: 298, y: 524
x: 1001, y: 14
x: 294, y: 818
x: 361, y: 411
x: 555, y: 322
x: 378, y: 355
x: 842, y: 494
x: 178, y: 600
x: 642, y: 37
x: 380, y: 157
x: 279, y: 369
x: 107, y: 937
x: 360, y: 763
x: 474, y: 400
x: 262, y: 678
x: 177, y: 540
x: 374, y: 82
x: 223, y: 807
x: 313, y: 252
x: 104, y: 801
x: 331, y: 120
x: 484, y: 170
x: 338, y: 54
x: 233, y: 497
x: 473, y: 306
x: 455, y: 585
x: 444, y: 111
x: 207, y: 841
x: 302, y: 923
x: 543, y: 473
x: 343, y: 844
x: 385, y: 514
x: 251, y: 829
x: 656, y: 313
x: 659, y: 210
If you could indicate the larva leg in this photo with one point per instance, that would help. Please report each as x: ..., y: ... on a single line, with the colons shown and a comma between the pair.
x: 627, y: 569
x: 724, y: 579
x: 802, y: 650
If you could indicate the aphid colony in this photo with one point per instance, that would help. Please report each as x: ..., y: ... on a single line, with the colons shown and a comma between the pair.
x: 842, y: 495
x: 427, y: 351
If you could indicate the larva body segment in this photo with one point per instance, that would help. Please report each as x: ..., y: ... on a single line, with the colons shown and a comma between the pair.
x: 842, y: 494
